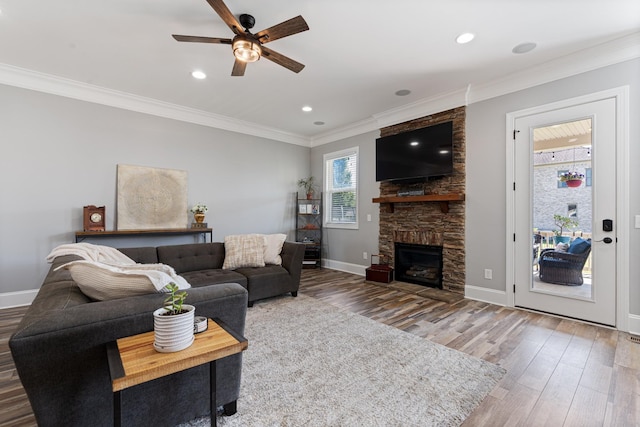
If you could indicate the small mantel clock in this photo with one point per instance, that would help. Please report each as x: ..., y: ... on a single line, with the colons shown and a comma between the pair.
x: 93, y: 218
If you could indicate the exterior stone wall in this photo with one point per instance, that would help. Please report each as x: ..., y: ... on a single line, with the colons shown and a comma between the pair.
x: 548, y: 199
x: 423, y: 222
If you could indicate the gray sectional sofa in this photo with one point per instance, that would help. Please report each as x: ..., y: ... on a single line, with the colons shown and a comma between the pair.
x: 59, y: 347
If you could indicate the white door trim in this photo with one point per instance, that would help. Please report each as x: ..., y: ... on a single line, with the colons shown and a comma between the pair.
x: 621, y: 95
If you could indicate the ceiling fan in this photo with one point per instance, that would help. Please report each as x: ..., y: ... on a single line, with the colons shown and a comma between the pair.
x: 249, y: 47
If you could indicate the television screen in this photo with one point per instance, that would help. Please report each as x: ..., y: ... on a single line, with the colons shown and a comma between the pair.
x: 416, y: 154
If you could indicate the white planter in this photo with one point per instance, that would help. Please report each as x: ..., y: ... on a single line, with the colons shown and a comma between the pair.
x: 173, y: 333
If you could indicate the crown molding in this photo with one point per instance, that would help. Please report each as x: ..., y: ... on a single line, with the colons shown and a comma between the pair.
x: 423, y: 107
x: 33, y: 80
x: 613, y: 52
x: 394, y: 116
x: 619, y: 50
x: 347, y: 131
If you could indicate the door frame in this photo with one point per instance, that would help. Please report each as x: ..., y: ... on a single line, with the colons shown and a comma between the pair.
x: 621, y: 96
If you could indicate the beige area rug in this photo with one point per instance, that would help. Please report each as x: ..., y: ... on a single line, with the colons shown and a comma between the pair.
x: 312, y: 364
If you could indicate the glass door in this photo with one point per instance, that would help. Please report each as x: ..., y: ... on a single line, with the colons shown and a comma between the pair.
x: 565, y: 205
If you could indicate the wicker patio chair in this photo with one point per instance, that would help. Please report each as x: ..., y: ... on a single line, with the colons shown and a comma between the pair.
x: 563, y: 268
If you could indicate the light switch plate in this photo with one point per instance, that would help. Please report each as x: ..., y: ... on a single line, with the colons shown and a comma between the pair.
x: 637, y: 221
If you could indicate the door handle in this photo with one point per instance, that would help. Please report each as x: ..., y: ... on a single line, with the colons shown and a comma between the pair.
x: 606, y: 240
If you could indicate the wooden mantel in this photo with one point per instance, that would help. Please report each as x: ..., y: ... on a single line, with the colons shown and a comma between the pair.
x: 443, y: 199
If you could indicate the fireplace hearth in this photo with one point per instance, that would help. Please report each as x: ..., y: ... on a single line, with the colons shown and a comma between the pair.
x: 419, y: 264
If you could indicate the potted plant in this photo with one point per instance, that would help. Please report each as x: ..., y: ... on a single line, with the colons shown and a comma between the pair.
x: 563, y: 222
x: 198, y: 210
x: 307, y: 184
x: 573, y: 179
x: 173, y: 323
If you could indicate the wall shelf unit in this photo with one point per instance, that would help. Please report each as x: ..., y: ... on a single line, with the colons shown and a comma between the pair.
x: 309, y: 229
x: 442, y: 199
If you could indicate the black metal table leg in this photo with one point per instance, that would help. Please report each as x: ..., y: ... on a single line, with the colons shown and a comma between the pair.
x: 117, y: 409
x: 212, y: 388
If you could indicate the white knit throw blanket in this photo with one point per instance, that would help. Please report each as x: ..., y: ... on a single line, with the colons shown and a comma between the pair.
x: 91, y: 252
x: 109, y: 264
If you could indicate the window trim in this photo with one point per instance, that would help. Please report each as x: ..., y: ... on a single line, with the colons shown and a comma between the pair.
x: 327, y: 194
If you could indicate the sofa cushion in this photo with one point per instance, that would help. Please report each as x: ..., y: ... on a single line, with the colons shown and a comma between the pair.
x: 273, y: 247
x: 102, y: 282
x: 213, y: 277
x: 192, y: 256
x: 579, y: 246
x: 243, y: 250
x: 143, y: 255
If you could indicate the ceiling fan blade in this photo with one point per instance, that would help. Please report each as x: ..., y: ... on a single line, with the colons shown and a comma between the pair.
x: 197, y: 39
x: 283, y: 29
x: 226, y: 15
x: 280, y: 59
x: 238, y: 68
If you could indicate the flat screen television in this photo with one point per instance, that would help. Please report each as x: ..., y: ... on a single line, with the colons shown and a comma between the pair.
x: 415, y: 155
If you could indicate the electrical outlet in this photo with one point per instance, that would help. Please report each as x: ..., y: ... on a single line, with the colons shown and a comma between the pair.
x: 365, y: 255
x: 488, y: 273
x: 368, y: 217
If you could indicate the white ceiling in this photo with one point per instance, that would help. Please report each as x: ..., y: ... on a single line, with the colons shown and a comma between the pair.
x: 357, y: 53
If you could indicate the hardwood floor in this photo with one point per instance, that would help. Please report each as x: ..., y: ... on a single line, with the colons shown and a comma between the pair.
x: 559, y: 372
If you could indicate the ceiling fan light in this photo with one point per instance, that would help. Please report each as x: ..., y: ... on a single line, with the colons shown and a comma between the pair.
x: 246, y: 50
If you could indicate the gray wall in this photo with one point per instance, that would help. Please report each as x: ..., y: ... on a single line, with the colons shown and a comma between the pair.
x: 486, y: 175
x: 344, y: 248
x: 486, y: 159
x: 59, y: 154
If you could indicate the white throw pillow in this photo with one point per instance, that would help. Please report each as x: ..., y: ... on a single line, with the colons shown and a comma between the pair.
x: 243, y: 250
x: 102, y: 282
x: 273, y: 247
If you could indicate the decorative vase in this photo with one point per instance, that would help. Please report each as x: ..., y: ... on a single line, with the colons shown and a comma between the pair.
x: 309, y: 195
x: 199, y: 217
x: 173, y: 332
x: 573, y: 183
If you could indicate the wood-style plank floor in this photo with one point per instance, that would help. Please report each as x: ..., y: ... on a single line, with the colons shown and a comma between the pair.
x: 559, y: 372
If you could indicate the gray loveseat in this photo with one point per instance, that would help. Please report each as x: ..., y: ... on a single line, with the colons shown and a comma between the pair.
x: 59, y: 347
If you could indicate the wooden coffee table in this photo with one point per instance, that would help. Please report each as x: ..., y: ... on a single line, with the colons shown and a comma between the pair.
x: 133, y: 360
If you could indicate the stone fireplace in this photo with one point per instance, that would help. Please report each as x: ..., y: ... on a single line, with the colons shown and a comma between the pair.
x: 428, y: 223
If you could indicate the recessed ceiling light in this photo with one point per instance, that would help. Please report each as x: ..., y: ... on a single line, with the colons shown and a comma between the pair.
x: 403, y: 92
x: 465, y: 38
x: 524, y: 47
x: 199, y: 75
x: 318, y: 123
x: 307, y: 109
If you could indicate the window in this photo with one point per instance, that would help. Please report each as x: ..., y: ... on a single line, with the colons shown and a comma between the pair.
x: 562, y: 184
x: 341, y: 189
x: 588, y: 177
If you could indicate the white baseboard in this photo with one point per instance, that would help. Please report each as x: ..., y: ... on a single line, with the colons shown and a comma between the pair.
x: 17, y: 299
x: 345, y: 266
x: 491, y: 296
x: 634, y: 324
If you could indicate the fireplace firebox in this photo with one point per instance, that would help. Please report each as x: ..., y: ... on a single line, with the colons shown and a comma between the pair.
x: 419, y: 264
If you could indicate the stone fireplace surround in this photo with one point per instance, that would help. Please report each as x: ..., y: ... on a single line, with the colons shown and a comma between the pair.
x: 424, y: 222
